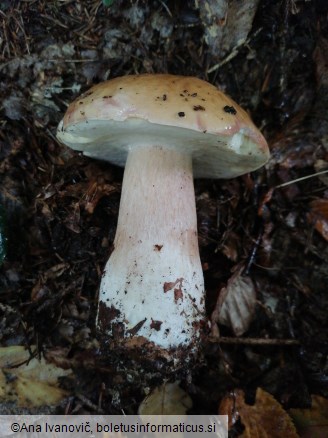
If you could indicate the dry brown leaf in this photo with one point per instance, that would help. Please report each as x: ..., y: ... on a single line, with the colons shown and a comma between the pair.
x: 322, y: 165
x: 320, y: 56
x: 226, y: 25
x: 313, y: 422
x: 96, y: 191
x: 29, y: 382
x: 318, y: 216
x: 236, y: 304
x: 230, y: 247
x: 13, y: 356
x: 167, y: 399
x: 265, y: 419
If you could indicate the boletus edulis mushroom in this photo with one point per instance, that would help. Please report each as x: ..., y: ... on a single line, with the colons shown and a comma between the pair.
x: 165, y: 130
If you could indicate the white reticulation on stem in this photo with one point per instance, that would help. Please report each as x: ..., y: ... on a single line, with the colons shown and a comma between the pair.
x: 152, y: 286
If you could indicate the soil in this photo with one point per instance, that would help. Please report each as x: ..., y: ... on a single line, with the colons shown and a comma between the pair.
x: 61, y: 208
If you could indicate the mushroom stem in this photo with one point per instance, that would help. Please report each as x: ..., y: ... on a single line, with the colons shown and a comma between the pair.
x: 153, y: 286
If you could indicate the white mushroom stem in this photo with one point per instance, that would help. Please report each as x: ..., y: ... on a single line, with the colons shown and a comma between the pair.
x: 153, y: 285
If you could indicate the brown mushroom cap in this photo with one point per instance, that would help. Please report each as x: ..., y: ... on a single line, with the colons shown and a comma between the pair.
x: 179, y: 112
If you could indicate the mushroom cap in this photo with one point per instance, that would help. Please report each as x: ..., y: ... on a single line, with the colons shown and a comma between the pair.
x: 180, y: 112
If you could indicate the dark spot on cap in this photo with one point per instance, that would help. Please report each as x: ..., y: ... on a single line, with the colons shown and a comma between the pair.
x: 193, y: 95
x: 181, y: 114
x: 82, y: 113
x: 230, y: 109
x: 107, y: 97
x: 158, y: 247
x: 81, y: 102
x: 88, y: 93
x: 198, y: 108
x: 163, y: 97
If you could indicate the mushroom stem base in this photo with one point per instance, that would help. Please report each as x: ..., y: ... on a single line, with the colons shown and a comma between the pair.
x: 152, y: 290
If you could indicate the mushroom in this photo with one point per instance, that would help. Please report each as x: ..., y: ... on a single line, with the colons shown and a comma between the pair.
x: 162, y: 128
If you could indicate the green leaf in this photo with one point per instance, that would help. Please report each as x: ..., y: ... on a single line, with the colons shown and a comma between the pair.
x: 108, y: 2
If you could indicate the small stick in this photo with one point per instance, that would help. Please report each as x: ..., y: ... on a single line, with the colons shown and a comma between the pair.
x: 301, y: 179
x: 253, y: 341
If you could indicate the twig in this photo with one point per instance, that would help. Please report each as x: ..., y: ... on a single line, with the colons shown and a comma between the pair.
x: 301, y: 179
x: 233, y: 53
x: 253, y: 341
